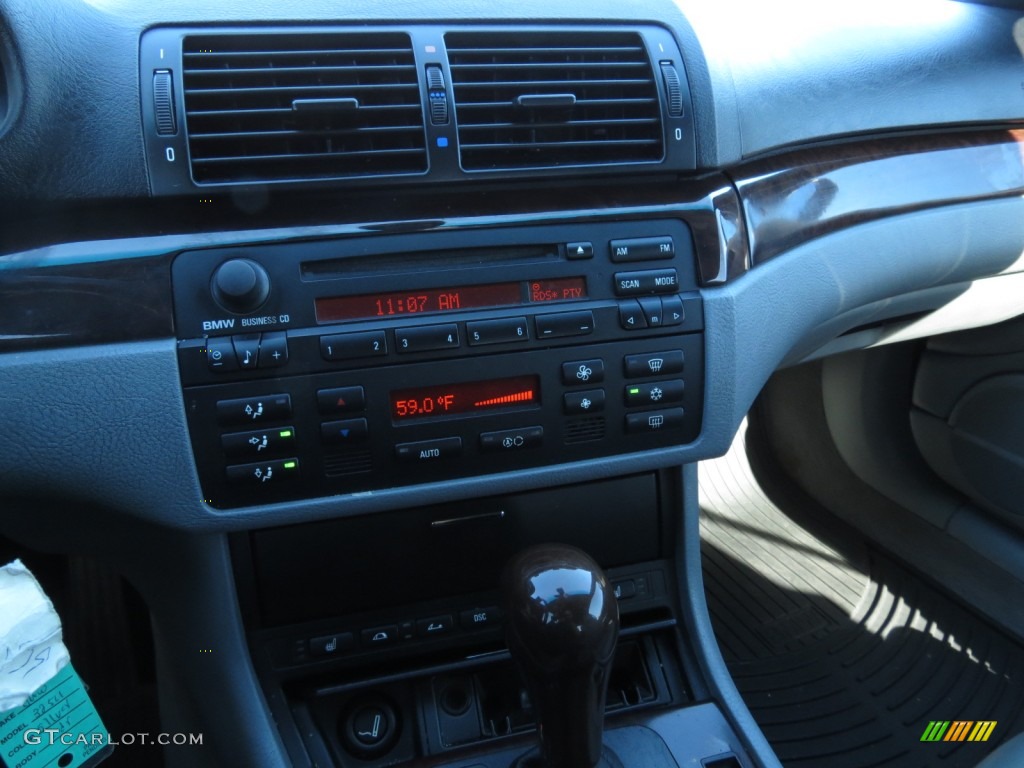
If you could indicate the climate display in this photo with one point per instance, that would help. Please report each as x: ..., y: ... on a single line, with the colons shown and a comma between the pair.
x: 468, y: 397
x: 439, y: 300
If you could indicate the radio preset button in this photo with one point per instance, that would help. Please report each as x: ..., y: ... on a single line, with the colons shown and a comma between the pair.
x: 512, y: 439
x: 427, y: 338
x: 646, y: 282
x: 583, y: 372
x: 587, y: 401
x: 429, y: 450
x: 631, y: 315
x: 254, y: 410
x: 343, y: 432
x: 501, y: 331
x: 565, y: 324
x: 581, y: 250
x: 247, y: 350
x: 259, y: 443
x: 349, y: 346
x: 220, y: 355
x: 672, y: 312
x: 653, y: 364
x: 654, y: 421
x: 642, y: 249
x: 654, y: 393
x: 340, y: 399
x: 265, y: 474
x: 273, y: 349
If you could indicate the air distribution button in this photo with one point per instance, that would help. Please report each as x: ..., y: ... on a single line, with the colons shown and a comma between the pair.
x: 240, y: 286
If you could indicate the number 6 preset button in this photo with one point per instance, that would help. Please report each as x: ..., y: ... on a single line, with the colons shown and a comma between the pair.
x: 427, y: 337
x: 497, y: 331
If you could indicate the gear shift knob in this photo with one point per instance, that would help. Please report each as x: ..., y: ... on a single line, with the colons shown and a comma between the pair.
x: 562, y: 621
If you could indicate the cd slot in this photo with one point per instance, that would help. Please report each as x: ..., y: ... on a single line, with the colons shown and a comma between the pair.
x: 359, y: 264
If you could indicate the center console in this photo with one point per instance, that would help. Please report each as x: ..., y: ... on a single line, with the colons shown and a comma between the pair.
x: 319, y: 367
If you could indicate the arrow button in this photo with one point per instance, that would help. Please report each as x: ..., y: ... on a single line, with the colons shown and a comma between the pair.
x: 672, y: 310
x: 344, y: 432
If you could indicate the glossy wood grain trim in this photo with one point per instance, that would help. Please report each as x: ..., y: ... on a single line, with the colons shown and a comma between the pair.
x: 95, y: 302
x: 789, y: 199
x: 118, y: 289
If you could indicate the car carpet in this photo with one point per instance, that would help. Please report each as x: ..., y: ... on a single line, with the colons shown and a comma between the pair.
x: 843, y: 655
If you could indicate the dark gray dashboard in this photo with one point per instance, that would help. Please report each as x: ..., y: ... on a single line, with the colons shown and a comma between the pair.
x: 851, y: 168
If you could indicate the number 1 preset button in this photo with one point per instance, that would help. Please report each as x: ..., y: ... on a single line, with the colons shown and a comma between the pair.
x: 348, y: 346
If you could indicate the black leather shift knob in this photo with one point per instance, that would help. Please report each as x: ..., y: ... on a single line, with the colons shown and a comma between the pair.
x: 562, y: 621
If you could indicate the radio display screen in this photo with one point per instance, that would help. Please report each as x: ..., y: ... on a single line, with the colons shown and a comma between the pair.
x: 371, y: 306
x: 467, y: 397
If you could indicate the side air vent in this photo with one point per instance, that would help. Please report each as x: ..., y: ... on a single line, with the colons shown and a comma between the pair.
x: 265, y: 107
x: 551, y: 99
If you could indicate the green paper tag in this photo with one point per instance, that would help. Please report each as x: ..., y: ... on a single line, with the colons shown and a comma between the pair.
x: 56, y: 727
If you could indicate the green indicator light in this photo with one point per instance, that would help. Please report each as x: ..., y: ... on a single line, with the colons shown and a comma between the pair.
x: 289, y: 465
x: 286, y: 433
x: 634, y: 390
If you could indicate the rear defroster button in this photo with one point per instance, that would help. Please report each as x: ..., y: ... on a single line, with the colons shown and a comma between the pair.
x: 654, y: 421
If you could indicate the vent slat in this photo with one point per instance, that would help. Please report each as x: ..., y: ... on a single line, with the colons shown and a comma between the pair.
x: 616, y: 116
x: 292, y: 54
x: 241, y: 135
x: 552, y: 65
x: 579, y: 103
x: 568, y: 124
x: 315, y: 90
x: 603, y: 50
x: 309, y: 156
x: 287, y: 111
x: 239, y: 91
x: 596, y: 144
x: 314, y: 70
x: 494, y: 84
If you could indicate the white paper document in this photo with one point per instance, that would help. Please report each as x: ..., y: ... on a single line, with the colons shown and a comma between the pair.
x: 31, y: 641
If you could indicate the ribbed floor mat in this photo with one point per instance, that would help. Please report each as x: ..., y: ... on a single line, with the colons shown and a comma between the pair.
x: 843, y: 656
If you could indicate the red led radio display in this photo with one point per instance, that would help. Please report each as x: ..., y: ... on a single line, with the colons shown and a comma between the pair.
x: 469, y: 397
x: 441, y: 300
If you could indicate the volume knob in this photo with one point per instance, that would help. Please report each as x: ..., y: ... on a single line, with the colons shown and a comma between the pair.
x: 240, y: 286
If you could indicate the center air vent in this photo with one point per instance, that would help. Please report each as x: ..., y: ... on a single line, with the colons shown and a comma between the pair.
x: 551, y: 99
x: 297, y: 106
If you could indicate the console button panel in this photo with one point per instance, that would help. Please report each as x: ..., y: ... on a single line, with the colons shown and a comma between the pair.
x: 400, y: 359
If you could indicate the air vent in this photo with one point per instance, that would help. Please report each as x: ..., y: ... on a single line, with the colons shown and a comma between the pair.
x: 298, y: 106
x: 550, y: 99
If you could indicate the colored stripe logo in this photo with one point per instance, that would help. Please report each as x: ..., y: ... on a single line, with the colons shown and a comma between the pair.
x: 959, y: 730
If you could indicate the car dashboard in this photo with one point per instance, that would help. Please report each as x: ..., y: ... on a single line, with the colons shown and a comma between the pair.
x: 311, y: 317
